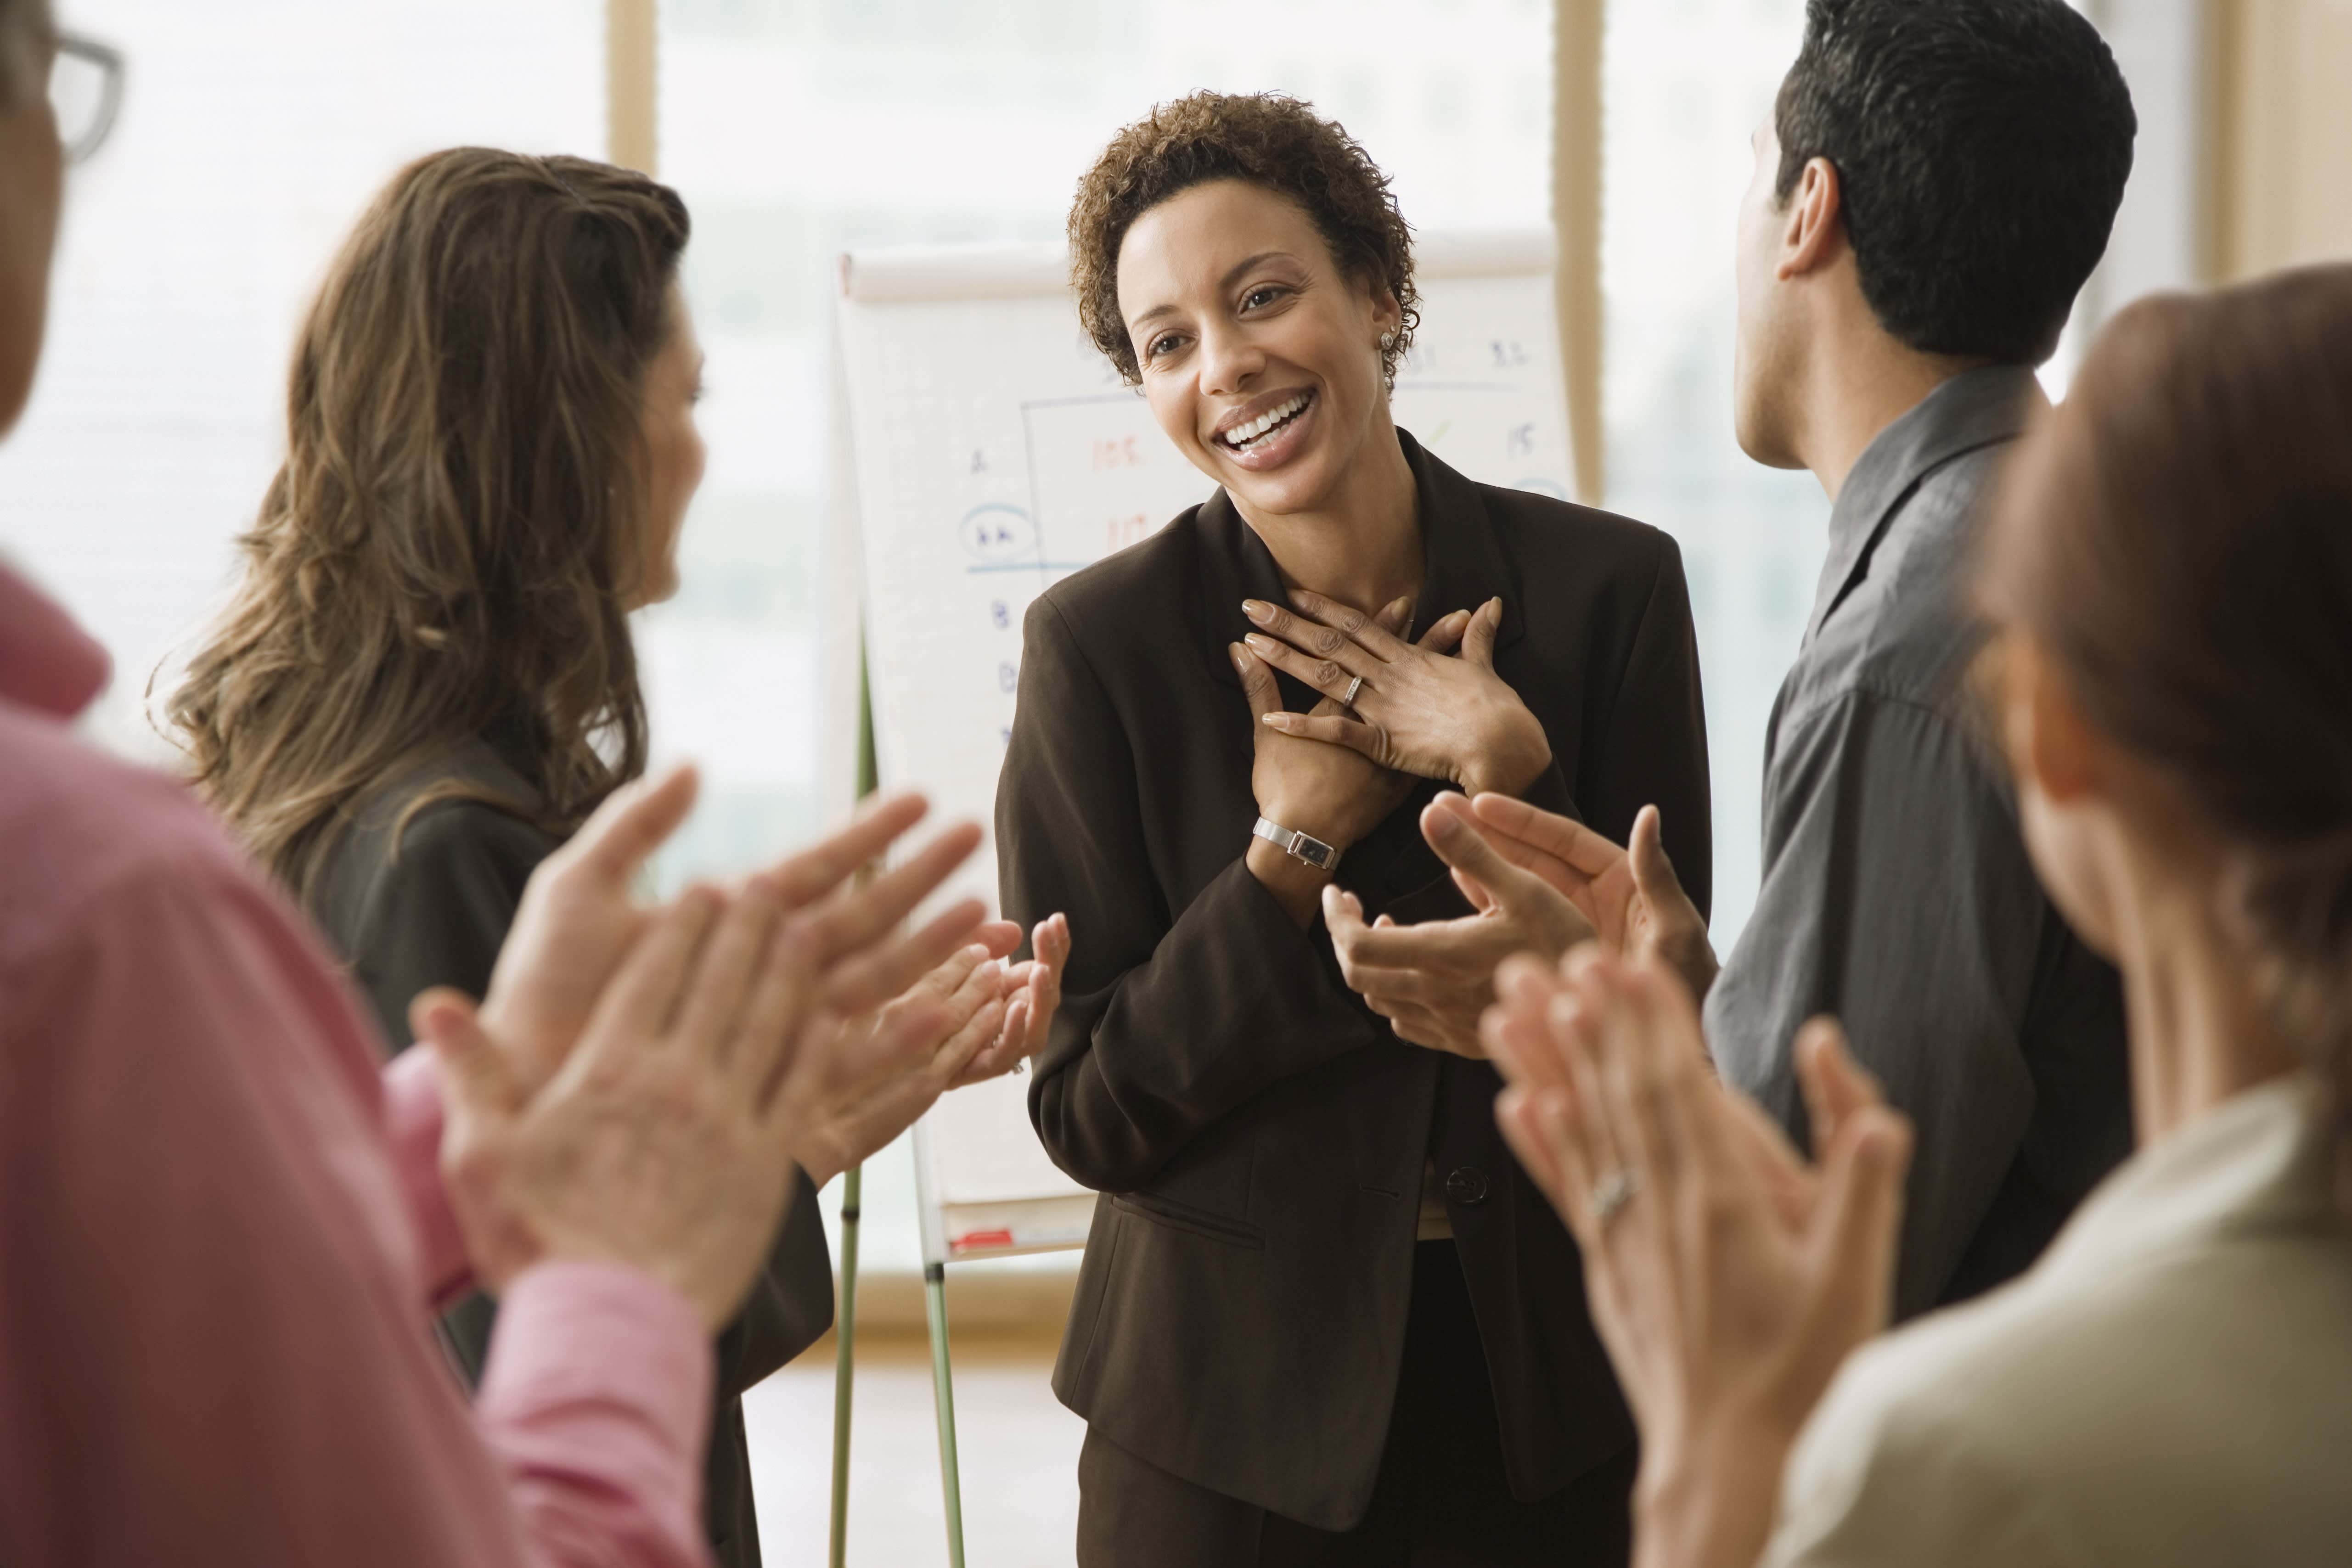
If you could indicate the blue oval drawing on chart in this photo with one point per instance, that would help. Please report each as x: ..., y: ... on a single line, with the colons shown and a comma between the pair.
x: 995, y: 532
x: 1543, y: 487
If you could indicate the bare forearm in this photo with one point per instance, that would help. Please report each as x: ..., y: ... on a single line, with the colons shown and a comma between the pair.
x: 1711, y: 1510
x: 1709, y: 1503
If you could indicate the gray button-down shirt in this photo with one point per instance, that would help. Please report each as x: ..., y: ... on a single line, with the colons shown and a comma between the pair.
x: 1896, y: 893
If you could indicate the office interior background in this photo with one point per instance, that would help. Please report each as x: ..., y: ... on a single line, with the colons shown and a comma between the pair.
x: 253, y: 131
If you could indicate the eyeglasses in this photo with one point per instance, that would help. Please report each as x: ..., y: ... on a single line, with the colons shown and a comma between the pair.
x: 86, y: 91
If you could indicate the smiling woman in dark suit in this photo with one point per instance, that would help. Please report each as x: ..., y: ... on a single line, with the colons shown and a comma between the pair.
x: 1323, y: 1316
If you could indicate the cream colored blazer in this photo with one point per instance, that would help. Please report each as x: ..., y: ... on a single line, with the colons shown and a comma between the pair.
x: 2170, y: 1384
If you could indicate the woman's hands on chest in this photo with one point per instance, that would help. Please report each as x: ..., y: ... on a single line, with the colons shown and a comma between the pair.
x: 1329, y: 792
x: 1410, y: 707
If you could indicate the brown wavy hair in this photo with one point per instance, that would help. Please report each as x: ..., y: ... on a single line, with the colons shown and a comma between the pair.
x: 2178, y: 535
x: 1263, y: 139
x: 458, y: 524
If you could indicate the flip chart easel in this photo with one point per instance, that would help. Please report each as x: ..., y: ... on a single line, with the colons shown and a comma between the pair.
x: 984, y: 450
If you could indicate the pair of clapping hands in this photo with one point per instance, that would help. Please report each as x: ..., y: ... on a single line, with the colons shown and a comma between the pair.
x: 1537, y: 883
x: 640, y: 1080
x: 1728, y: 1277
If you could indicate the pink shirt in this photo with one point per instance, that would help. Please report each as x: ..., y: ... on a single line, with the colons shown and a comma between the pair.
x: 221, y: 1229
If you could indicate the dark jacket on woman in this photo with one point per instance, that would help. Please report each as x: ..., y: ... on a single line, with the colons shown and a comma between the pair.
x: 1259, y: 1133
x: 429, y: 905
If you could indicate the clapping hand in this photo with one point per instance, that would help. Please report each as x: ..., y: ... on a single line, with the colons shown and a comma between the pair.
x: 990, y: 1019
x: 642, y: 1079
x: 1036, y: 992
x: 663, y: 1141
x: 1633, y: 898
x: 1728, y: 1275
x: 579, y: 916
x: 1434, y: 980
x: 1409, y: 706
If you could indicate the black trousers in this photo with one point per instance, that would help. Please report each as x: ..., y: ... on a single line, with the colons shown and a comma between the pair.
x: 1440, y: 1500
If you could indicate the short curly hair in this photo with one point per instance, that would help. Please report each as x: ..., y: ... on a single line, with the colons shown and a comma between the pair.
x: 1268, y: 139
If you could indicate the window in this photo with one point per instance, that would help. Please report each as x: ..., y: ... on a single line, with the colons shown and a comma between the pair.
x: 1685, y: 82
x: 253, y: 132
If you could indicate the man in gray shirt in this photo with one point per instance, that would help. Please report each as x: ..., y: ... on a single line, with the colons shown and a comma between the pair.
x: 1896, y: 893
x: 1933, y: 187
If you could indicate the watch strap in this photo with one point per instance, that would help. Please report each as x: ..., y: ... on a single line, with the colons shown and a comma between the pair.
x: 1298, y: 846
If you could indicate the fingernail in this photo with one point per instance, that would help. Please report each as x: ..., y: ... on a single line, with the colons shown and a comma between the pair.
x: 1235, y: 651
x: 1442, y: 824
x: 1277, y: 720
x: 1257, y: 610
x: 1258, y: 644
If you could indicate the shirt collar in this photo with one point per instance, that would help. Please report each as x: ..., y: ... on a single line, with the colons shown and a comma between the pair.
x: 1975, y: 408
x: 2262, y: 1160
x: 47, y: 661
x: 1462, y: 563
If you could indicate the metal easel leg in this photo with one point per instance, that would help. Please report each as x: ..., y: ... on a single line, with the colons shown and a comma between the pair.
x: 845, y: 1328
x: 935, y: 1301
x: 845, y: 1358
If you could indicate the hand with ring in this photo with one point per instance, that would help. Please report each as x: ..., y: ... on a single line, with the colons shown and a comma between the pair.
x: 1611, y: 1193
x: 1411, y: 707
x: 1728, y: 1277
x: 1335, y: 794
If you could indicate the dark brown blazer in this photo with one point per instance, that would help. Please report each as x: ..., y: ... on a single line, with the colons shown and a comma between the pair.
x: 1257, y: 1133
x: 434, y: 913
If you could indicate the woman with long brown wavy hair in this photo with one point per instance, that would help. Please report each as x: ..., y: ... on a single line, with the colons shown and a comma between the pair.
x: 425, y: 681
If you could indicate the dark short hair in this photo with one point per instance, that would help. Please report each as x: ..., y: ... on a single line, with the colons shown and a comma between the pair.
x: 1981, y: 148
x: 1267, y: 140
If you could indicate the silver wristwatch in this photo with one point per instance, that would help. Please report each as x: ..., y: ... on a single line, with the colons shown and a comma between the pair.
x: 1298, y: 846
